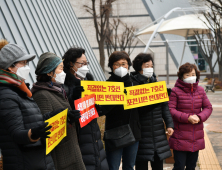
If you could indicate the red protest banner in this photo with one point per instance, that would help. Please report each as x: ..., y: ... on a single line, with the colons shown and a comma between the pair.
x: 86, y: 106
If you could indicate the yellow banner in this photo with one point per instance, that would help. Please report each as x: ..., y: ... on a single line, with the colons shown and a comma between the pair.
x: 147, y: 94
x: 107, y: 93
x: 58, y: 130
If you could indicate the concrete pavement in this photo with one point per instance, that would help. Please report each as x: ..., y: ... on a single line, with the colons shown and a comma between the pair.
x: 213, y: 125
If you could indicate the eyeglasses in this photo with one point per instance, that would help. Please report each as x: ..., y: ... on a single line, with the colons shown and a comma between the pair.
x: 119, y: 65
x: 82, y: 64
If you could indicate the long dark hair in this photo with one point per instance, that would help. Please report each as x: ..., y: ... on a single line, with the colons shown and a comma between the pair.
x: 71, y: 56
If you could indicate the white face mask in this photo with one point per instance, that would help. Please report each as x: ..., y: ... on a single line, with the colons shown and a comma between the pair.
x: 60, y: 78
x: 121, y: 71
x: 148, y: 72
x: 82, y: 71
x: 23, y: 72
x: 190, y: 80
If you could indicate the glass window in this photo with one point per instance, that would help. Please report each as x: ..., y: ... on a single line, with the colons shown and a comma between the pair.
x: 200, y: 61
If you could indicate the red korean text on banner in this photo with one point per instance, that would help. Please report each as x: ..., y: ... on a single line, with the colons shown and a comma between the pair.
x: 86, y: 106
x: 106, y: 93
x: 146, y: 94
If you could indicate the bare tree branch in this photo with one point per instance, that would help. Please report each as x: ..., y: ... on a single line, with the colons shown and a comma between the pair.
x: 206, y: 48
x: 213, y: 17
x: 120, y: 40
x: 101, y: 23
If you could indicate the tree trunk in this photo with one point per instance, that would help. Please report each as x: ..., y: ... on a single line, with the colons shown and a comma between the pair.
x: 211, y: 72
x: 220, y: 72
x: 211, y: 67
x: 102, y: 54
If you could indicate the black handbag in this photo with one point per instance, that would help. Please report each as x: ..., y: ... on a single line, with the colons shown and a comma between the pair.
x: 119, y: 137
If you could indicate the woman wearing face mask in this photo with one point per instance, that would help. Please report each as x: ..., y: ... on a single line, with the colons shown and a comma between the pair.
x: 117, y: 117
x: 153, y: 146
x: 50, y: 95
x: 76, y: 68
x: 189, y: 107
x: 22, y: 127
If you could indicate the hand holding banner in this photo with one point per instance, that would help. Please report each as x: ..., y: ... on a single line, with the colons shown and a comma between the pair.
x: 86, y: 106
x: 58, y: 130
x: 147, y: 94
x: 106, y: 93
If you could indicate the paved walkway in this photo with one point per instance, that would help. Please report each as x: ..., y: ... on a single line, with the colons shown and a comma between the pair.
x: 213, y: 125
x: 207, y: 157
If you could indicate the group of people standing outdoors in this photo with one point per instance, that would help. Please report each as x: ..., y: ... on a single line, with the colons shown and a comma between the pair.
x: 23, y: 112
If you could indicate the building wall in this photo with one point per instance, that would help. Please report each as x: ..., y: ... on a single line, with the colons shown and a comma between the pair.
x: 132, y: 12
x: 140, y: 13
x: 44, y: 26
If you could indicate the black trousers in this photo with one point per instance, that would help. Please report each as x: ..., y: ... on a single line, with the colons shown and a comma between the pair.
x: 184, y: 158
x: 157, y: 164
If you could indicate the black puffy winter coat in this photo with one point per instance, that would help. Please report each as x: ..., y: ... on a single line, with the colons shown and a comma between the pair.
x: 18, y: 114
x: 152, y: 126
x: 116, y: 116
x: 91, y: 146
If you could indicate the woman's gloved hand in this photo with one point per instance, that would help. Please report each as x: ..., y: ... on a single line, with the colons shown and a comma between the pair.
x: 74, y: 116
x: 169, y: 90
x: 53, y: 113
x: 77, y: 90
x: 125, y: 91
x: 98, y: 108
x: 40, y: 131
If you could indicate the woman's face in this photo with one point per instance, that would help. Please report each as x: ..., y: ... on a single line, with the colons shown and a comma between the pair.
x: 148, y: 64
x: 192, y: 73
x: 120, y: 63
x: 17, y: 65
x: 58, y: 70
x: 79, y: 63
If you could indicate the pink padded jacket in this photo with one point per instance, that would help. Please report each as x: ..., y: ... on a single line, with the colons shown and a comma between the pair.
x: 186, y: 100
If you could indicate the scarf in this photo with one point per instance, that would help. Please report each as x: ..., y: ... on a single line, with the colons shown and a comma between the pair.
x: 58, y: 87
x: 9, y: 78
x: 50, y: 86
